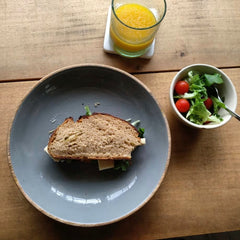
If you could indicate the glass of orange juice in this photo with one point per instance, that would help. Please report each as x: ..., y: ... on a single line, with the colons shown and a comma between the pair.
x: 134, y: 25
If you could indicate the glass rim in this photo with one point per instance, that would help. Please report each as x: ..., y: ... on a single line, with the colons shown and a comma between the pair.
x: 145, y: 28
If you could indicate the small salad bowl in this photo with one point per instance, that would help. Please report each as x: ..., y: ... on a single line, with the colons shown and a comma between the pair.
x: 226, y: 90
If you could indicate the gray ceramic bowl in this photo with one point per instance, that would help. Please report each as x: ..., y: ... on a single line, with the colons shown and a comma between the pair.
x: 76, y: 193
x: 226, y: 89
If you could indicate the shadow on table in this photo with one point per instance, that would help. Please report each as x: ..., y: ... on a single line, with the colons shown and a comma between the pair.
x: 235, y: 235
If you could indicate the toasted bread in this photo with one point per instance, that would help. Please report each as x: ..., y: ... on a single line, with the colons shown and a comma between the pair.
x: 99, y: 136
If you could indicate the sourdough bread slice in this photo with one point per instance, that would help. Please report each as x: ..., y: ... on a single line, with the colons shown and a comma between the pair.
x: 99, y: 136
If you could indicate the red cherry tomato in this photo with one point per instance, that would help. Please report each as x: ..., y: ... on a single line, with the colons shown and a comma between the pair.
x: 181, y: 87
x: 208, y: 103
x: 182, y: 105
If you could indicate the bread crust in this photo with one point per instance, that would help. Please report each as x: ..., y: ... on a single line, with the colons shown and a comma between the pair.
x: 106, y: 114
x: 53, y: 136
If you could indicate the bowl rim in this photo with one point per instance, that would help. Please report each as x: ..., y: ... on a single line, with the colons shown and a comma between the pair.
x: 181, y: 117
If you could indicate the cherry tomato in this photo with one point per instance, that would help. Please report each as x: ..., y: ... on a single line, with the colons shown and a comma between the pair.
x: 181, y: 87
x: 182, y: 105
x: 208, y: 103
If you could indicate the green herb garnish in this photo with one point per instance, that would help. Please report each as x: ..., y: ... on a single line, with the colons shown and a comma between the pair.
x: 88, y: 112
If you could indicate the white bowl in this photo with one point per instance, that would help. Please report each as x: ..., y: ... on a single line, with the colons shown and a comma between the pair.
x: 226, y: 89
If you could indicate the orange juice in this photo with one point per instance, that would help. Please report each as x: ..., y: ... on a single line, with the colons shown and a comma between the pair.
x: 132, y: 33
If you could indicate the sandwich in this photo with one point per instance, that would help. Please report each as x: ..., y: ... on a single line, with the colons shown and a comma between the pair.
x: 97, y: 136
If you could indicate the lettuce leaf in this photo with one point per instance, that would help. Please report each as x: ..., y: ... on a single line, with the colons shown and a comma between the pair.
x: 141, y: 132
x: 217, y: 104
x: 210, y: 79
x: 198, y: 113
x: 214, y: 118
x: 121, y: 165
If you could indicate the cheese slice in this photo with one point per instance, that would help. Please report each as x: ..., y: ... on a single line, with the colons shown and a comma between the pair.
x: 105, y: 164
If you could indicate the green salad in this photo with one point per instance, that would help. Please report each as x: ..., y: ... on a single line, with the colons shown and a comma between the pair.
x: 194, y: 97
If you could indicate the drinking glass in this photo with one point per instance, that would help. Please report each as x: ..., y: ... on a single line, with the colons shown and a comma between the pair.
x: 134, y: 25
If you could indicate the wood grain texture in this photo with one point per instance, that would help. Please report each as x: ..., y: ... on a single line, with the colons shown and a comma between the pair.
x: 200, y: 193
x: 38, y: 37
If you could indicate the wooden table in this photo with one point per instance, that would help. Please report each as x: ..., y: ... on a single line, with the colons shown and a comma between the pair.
x: 201, y: 191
